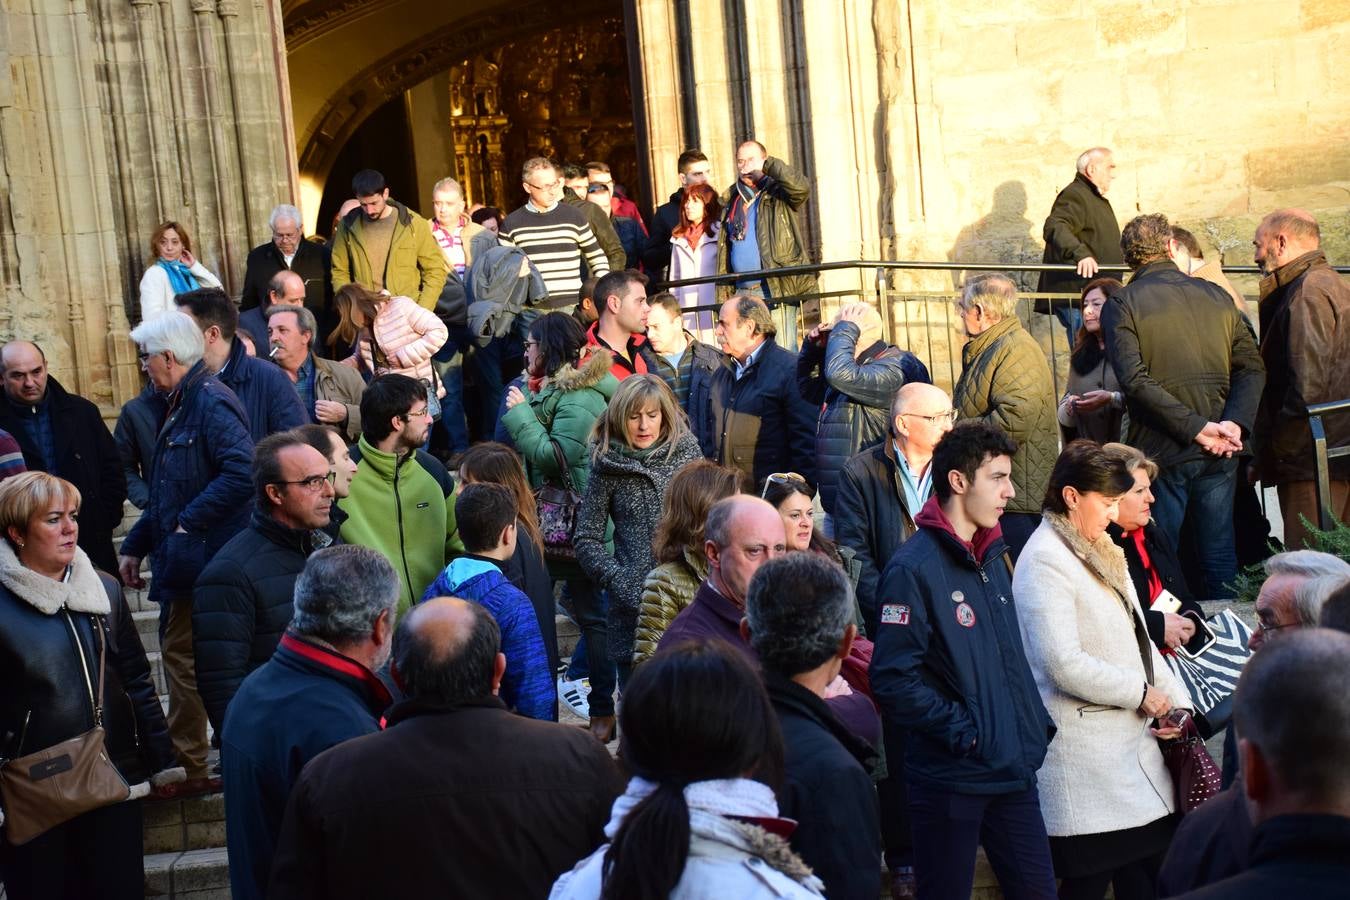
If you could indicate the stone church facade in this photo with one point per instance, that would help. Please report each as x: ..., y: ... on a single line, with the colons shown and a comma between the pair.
x: 930, y: 130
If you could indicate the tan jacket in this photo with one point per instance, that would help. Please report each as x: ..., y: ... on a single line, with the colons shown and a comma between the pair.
x: 339, y: 383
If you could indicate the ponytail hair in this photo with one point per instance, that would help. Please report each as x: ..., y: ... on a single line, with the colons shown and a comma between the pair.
x: 696, y: 712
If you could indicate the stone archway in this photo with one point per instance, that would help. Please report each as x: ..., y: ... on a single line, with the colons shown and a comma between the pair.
x: 324, y: 128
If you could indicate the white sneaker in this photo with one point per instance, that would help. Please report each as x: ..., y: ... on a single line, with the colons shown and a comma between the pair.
x: 576, y: 694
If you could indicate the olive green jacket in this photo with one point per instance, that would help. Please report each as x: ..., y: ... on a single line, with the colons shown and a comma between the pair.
x: 785, y: 191
x: 669, y: 588
x: 1005, y: 381
x: 414, y: 268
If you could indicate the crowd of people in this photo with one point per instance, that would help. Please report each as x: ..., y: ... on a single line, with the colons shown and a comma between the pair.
x: 845, y: 627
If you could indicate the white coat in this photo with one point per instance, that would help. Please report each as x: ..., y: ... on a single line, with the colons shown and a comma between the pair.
x: 157, y: 294
x: 690, y: 262
x: 1104, y: 771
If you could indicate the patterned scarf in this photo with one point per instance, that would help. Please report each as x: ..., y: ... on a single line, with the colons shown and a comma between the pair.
x: 740, y: 205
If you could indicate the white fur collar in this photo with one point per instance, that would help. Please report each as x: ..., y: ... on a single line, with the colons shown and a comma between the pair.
x: 83, y: 592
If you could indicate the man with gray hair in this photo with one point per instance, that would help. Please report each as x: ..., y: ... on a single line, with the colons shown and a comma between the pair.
x: 318, y: 689
x: 1192, y: 378
x: 1006, y: 382
x: 1305, y: 330
x: 288, y: 251
x: 799, y: 620
x: 329, y: 391
x: 1213, y: 841
x: 753, y: 418
x: 1292, y: 713
x: 1080, y: 231
x: 200, y: 497
x: 555, y: 236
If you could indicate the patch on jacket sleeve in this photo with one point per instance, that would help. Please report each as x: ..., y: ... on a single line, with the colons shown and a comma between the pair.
x: 894, y: 614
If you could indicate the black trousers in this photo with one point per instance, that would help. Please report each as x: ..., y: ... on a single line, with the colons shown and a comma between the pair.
x: 97, y: 855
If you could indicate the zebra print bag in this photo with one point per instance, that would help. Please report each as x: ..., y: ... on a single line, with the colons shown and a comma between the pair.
x: 1211, y: 675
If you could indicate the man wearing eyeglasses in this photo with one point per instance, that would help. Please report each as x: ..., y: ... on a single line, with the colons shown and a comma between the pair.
x: 242, y: 602
x: 289, y: 251
x: 554, y: 235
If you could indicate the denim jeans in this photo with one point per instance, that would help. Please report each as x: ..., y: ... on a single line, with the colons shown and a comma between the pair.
x: 1201, y: 492
x: 948, y: 827
x: 1071, y: 317
x: 588, y: 609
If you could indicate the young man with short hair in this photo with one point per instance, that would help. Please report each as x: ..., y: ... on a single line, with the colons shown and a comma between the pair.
x: 621, y: 301
x: 486, y: 514
x: 681, y: 359
x: 950, y: 671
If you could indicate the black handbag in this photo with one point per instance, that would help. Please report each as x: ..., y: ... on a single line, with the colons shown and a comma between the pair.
x: 558, y: 509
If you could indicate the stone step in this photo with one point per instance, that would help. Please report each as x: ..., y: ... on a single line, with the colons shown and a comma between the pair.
x: 188, y: 875
x: 156, y: 661
x: 172, y: 826
x: 147, y: 625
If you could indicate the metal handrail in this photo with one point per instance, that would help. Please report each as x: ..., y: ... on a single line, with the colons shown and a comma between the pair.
x: 1322, y: 456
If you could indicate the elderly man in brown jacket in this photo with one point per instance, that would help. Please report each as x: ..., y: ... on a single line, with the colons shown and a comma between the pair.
x: 1305, y: 333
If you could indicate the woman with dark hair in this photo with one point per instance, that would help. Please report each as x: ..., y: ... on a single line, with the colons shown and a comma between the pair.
x: 678, y: 548
x: 1093, y: 405
x: 792, y: 497
x: 699, y: 818
x: 550, y: 423
x: 1106, y: 796
x: 639, y: 444
x: 1170, y: 610
x: 498, y: 464
x: 171, y: 270
x: 490, y: 217
x: 693, y: 253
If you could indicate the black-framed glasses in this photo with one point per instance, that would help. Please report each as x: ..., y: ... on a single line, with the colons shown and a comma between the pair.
x: 313, y: 483
x: 781, y: 478
x: 949, y: 416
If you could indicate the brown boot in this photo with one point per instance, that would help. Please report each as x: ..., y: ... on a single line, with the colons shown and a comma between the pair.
x: 603, y: 728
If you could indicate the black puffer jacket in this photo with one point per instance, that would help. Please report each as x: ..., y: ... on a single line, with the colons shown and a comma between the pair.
x: 44, y: 627
x: 1184, y: 358
x: 242, y: 605
x: 854, y: 395
x: 627, y: 487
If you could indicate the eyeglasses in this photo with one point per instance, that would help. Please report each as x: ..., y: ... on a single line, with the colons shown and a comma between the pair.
x: 948, y: 416
x: 543, y: 187
x: 781, y: 478
x: 531, y: 343
x: 1263, y: 626
x: 313, y: 483
x: 416, y: 413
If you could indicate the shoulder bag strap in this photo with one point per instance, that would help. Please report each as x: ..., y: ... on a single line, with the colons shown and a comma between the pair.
x: 563, y: 467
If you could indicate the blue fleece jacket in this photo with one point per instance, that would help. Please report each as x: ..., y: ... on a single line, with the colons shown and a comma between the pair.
x: 527, y: 685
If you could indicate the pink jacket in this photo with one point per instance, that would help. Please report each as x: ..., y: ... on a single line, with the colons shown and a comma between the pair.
x: 408, y: 335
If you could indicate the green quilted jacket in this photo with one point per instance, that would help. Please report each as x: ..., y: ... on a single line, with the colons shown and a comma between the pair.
x: 669, y: 588
x: 1005, y: 380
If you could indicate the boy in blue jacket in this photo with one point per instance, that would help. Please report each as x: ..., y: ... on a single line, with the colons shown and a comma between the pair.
x: 486, y: 514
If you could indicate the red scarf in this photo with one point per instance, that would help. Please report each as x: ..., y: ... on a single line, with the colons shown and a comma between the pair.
x: 1154, y: 582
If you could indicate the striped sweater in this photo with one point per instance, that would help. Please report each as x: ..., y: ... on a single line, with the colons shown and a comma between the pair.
x: 555, y: 242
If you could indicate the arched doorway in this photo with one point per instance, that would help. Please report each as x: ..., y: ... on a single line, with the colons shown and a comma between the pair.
x: 472, y: 96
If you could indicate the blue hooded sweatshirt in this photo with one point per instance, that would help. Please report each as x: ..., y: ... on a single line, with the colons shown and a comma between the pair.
x: 527, y: 685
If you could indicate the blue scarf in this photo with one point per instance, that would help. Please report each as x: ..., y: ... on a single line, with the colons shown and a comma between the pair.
x: 181, y: 278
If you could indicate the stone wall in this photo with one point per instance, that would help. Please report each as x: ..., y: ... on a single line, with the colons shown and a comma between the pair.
x: 944, y: 130
x: 119, y: 116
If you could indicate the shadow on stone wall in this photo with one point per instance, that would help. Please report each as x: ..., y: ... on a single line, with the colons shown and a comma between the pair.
x: 1003, y: 235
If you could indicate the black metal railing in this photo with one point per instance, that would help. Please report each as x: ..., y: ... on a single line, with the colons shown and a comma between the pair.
x: 1322, y: 457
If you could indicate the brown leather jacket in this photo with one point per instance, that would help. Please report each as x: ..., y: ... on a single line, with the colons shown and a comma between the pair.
x: 1305, y: 334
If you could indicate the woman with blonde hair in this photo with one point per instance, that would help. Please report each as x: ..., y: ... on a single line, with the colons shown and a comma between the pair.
x: 171, y: 270
x: 67, y: 637
x: 678, y: 547
x: 638, y: 445
x: 389, y: 334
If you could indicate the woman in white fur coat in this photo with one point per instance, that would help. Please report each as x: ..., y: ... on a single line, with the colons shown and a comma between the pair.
x: 1106, y: 795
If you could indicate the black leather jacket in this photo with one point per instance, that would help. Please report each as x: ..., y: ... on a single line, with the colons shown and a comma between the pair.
x: 45, y: 699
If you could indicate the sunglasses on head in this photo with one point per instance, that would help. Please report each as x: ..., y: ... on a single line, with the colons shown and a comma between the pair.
x: 781, y: 478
